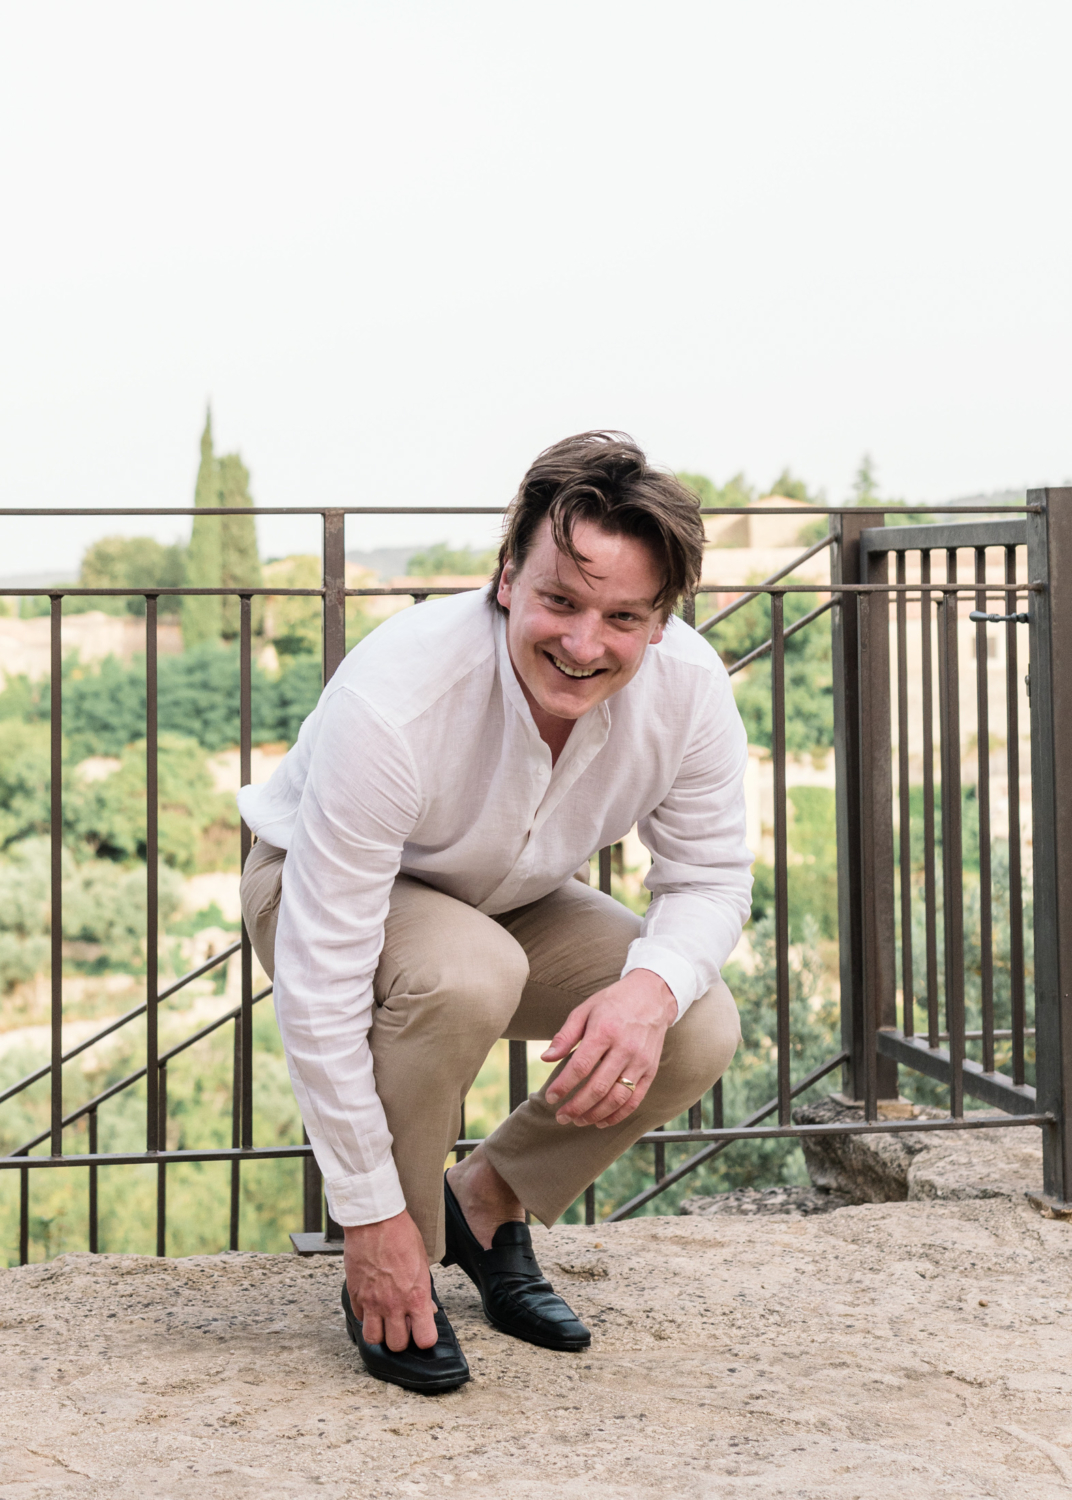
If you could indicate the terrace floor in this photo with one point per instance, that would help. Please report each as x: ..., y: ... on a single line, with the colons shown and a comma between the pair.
x: 920, y: 1348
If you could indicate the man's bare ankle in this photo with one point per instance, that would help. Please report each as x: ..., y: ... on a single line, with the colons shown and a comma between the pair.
x: 484, y: 1197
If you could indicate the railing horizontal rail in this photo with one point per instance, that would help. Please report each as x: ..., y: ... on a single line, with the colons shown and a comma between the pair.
x: 59, y: 591
x: 943, y: 538
x: 497, y: 510
x: 652, y: 1138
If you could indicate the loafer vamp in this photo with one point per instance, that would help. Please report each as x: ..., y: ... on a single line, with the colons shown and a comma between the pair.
x: 513, y: 1302
x: 516, y: 1296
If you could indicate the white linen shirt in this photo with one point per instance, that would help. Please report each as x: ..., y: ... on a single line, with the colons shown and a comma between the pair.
x: 422, y: 756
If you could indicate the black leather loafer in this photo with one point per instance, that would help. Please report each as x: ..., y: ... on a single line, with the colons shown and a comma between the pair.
x: 443, y: 1367
x: 516, y: 1297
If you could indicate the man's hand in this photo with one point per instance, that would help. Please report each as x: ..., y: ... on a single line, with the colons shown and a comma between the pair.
x: 387, y: 1277
x: 618, y: 1033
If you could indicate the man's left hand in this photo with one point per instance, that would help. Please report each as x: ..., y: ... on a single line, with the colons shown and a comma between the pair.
x: 617, y: 1033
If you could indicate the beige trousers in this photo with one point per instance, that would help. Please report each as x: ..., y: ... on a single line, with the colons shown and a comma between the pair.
x: 452, y: 981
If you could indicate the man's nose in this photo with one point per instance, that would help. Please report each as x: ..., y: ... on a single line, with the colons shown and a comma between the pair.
x: 584, y: 639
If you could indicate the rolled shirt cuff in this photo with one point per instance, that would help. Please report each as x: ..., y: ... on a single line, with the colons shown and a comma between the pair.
x: 365, y: 1197
x: 675, y: 971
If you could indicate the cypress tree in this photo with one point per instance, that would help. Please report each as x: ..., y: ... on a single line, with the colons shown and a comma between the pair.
x: 202, y: 615
x: 240, y: 563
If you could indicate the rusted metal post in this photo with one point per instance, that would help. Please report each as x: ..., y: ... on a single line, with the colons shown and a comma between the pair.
x: 854, y: 779
x: 56, y: 839
x: 879, y: 1008
x: 1049, y: 559
x: 334, y: 590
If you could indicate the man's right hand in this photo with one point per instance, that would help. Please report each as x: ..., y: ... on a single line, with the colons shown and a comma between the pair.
x: 387, y: 1277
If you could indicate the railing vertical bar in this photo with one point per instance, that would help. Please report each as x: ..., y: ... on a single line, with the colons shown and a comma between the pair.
x: 161, y: 1167
x: 245, y: 776
x: 152, y: 875
x: 930, y: 883
x: 312, y: 1197
x: 688, y: 610
x: 696, y: 1116
x: 460, y: 1154
x: 519, y: 1074
x: 982, y: 792
x: 781, y: 854
x: 718, y: 1119
x: 952, y: 847
x: 24, y: 1216
x: 334, y: 561
x: 904, y: 797
x: 659, y: 1150
x: 1016, y: 891
x: 56, y: 840
x: 94, y: 1210
x: 605, y: 870
x: 867, y: 865
x: 236, y: 1130
x: 590, y: 1203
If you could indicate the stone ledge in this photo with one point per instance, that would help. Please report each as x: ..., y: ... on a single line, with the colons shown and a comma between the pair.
x: 918, y: 1348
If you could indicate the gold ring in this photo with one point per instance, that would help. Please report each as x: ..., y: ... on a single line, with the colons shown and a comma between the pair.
x: 630, y: 1085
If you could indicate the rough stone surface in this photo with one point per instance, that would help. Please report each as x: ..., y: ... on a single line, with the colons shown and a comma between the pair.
x: 877, y: 1352
x: 895, y: 1168
x: 788, y: 1202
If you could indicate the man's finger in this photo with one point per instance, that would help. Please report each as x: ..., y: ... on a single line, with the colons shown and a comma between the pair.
x: 624, y: 1111
x: 617, y: 1101
x: 567, y: 1037
x: 598, y: 1084
x: 397, y: 1331
x: 422, y: 1325
x: 580, y: 1066
x: 372, y: 1328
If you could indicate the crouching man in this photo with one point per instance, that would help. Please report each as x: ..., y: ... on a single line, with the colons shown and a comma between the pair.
x: 412, y: 894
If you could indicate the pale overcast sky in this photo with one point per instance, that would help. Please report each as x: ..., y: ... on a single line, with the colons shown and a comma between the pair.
x: 404, y: 245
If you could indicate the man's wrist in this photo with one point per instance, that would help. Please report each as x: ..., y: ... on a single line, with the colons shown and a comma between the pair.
x: 658, y: 988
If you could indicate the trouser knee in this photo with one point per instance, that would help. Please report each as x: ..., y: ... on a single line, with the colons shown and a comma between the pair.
x: 698, y: 1049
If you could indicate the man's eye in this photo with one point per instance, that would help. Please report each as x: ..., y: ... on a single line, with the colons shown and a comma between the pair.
x: 557, y: 599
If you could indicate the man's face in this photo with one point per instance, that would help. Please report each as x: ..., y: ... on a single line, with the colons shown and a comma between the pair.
x: 577, y: 638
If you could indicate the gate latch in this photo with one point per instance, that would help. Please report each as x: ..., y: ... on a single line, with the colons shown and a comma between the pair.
x: 978, y: 615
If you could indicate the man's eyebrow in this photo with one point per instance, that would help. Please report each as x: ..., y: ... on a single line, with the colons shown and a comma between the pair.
x: 555, y: 585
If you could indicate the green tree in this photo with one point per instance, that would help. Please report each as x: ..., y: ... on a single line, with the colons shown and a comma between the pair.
x: 792, y: 489
x: 240, y: 563
x: 117, y: 562
x: 734, y: 493
x: 865, y: 483
x: 439, y: 560
x: 202, y: 615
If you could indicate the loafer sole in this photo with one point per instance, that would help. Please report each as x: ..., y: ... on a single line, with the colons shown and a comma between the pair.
x: 563, y: 1346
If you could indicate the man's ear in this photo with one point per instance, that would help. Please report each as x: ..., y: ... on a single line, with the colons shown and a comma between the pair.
x: 505, y: 585
x: 660, y: 630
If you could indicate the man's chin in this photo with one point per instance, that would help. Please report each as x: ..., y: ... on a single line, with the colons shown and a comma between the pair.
x: 565, y: 704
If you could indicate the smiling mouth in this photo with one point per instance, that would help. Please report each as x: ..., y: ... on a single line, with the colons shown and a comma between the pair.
x: 568, y: 671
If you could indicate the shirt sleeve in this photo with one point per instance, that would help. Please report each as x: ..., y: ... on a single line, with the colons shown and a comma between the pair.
x: 700, y: 876
x: 360, y: 802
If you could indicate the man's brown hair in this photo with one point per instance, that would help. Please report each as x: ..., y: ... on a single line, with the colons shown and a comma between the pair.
x: 604, y: 477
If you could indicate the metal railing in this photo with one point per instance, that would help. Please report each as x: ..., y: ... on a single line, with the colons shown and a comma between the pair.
x: 875, y: 888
